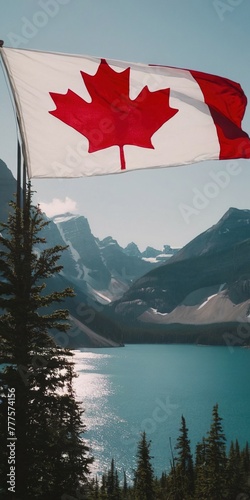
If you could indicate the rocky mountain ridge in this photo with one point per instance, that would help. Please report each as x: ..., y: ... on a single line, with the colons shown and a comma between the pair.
x: 205, y: 287
x: 103, y: 267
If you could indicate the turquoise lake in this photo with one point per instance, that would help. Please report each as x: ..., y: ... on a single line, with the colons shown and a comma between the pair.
x: 148, y: 387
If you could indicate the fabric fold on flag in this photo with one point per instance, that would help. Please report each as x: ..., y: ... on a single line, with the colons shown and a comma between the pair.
x: 82, y: 116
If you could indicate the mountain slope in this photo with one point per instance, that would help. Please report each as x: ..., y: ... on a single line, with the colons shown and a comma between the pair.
x: 232, y: 228
x: 206, y: 283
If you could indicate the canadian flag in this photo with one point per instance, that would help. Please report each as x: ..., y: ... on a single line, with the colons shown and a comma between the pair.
x: 83, y: 115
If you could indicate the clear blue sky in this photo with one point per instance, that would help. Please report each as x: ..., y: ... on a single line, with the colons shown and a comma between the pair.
x: 146, y: 207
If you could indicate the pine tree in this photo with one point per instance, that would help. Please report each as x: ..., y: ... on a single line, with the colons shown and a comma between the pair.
x: 235, y: 471
x: 245, y: 458
x: 103, y: 489
x: 113, y: 486
x: 200, y: 469
x: 111, y: 480
x: 93, y: 493
x: 125, y: 484
x: 213, y: 480
x: 117, y: 491
x: 184, y: 469
x: 96, y: 489
x: 181, y: 477
x: 245, y: 469
x: 144, y: 475
x: 50, y: 455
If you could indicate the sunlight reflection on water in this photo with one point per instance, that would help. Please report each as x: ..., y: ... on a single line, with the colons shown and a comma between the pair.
x: 92, y: 388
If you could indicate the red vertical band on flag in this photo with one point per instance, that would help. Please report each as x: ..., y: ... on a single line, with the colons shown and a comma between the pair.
x: 227, y: 103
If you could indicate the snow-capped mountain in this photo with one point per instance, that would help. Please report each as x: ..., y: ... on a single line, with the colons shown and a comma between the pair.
x: 105, y: 269
x: 202, y: 292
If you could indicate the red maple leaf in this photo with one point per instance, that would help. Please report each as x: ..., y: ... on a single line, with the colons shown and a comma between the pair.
x: 112, y: 118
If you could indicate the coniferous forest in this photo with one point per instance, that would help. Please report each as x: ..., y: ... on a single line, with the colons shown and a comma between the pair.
x: 212, y: 474
x: 43, y: 452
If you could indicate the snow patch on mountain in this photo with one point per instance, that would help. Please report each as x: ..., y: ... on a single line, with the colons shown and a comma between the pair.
x: 211, y: 296
x: 58, y: 219
x: 73, y: 251
x: 207, y: 300
x: 155, y: 311
x: 101, y: 296
x: 150, y: 259
x: 159, y: 257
